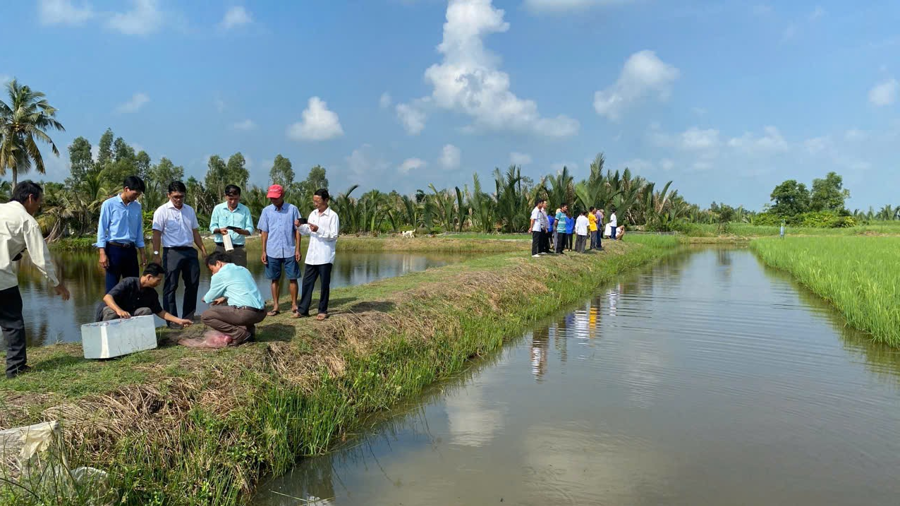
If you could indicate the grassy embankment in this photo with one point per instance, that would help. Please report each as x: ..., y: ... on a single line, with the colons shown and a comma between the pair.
x: 184, y: 426
x: 860, y: 276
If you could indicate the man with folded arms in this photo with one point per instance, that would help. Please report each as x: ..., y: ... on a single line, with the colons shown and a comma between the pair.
x: 137, y: 297
x: 120, y: 233
x: 237, y: 305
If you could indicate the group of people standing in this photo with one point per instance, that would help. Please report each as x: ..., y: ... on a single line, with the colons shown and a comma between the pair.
x: 556, y: 232
x: 236, y: 303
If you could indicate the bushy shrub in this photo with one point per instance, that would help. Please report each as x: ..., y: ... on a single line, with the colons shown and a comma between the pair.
x: 818, y: 219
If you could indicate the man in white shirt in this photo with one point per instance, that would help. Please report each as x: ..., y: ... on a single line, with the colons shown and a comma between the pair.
x: 612, y: 224
x: 175, y: 225
x: 19, y: 231
x: 322, y: 227
x: 536, y: 227
x: 582, y: 224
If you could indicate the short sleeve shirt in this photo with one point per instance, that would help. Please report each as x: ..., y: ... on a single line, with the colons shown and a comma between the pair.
x: 279, y: 225
x: 131, y: 296
x: 175, y: 225
x: 537, y: 216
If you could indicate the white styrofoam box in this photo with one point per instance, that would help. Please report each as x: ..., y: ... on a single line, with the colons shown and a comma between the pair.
x: 118, y: 337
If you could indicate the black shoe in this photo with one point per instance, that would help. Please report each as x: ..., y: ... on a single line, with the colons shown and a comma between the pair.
x: 22, y: 370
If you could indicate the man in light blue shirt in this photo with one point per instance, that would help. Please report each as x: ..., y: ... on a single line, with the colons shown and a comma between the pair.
x: 237, y: 305
x: 279, y: 225
x: 120, y: 233
x: 233, y: 219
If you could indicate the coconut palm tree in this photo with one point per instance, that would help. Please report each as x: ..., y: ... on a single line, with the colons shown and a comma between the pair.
x: 23, y: 122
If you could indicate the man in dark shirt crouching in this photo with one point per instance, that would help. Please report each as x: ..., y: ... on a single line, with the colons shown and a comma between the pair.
x: 137, y: 297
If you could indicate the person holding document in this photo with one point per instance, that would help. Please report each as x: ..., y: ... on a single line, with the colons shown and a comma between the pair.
x: 231, y: 222
x: 322, y: 227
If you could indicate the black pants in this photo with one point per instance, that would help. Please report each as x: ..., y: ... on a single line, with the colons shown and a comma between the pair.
x: 13, y: 325
x: 560, y: 242
x: 183, y: 262
x: 571, y: 239
x: 310, y: 274
x: 123, y: 263
x: 536, y: 238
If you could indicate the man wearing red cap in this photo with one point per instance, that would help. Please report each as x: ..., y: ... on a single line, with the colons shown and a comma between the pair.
x: 280, y: 244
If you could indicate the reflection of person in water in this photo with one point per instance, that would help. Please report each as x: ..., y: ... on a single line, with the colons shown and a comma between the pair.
x: 539, y: 349
x: 613, y: 299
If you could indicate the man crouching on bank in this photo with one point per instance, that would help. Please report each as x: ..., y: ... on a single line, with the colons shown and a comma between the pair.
x: 237, y: 305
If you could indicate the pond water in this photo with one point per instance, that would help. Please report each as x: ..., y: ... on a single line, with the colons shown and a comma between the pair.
x: 705, y: 379
x: 49, y: 320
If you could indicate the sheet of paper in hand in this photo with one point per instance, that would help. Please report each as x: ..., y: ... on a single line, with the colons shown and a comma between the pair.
x: 118, y: 337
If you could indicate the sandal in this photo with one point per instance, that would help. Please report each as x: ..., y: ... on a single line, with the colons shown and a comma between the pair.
x: 321, y: 316
x: 298, y: 314
x: 273, y: 312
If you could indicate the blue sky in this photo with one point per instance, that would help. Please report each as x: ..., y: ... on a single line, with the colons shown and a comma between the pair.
x: 724, y: 98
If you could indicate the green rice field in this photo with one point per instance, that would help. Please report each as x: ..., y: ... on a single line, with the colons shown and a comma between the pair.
x: 860, y: 276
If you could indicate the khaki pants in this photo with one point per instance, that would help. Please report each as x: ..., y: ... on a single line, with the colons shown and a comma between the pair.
x: 108, y: 314
x: 239, y: 323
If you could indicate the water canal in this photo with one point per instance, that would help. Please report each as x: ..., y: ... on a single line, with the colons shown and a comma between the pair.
x: 705, y: 379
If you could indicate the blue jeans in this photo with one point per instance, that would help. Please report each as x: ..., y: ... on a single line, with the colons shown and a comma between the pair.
x: 274, y: 267
x: 612, y: 233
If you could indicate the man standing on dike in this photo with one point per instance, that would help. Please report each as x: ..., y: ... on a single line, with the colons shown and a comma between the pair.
x: 120, y: 233
x: 537, y: 219
x: 233, y: 219
x: 322, y: 227
x: 561, y: 228
x: 175, y: 226
x: 237, y: 305
x: 280, y: 244
x: 137, y: 297
x: 19, y: 231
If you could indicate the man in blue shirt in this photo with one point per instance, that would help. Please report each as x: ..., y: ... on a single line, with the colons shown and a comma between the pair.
x: 120, y: 234
x: 233, y: 219
x: 237, y: 305
x: 279, y: 226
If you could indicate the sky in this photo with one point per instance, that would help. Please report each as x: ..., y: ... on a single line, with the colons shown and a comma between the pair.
x: 726, y: 98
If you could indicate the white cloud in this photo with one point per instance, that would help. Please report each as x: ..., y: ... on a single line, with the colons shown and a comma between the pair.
x: 694, y: 139
x: 884, y: 93
x: 245, y: 125
x: 385, y: 101
x: 517, y: 158
x: 362, y: 162
x: 5, y: 79
x: 319, y: 124
x: 137, y: 102
x: 468, y: 80
x: 855, y: 135
x: 666, y: 164
x: 450, y: 156
x: 817, y: 144
x: 412, y: 116
x: 560, y: 6
x: 643, y: 75
x: 770, y: 142
x: 411, y: 164
x: 64, y: 12
x: 639, y: 165
x: 817, y: 13
x: 235, y: 16
x: 143, y: 19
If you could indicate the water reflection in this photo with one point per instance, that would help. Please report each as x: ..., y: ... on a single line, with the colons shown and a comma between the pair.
x: 680, y: 384
x: 49, y: 320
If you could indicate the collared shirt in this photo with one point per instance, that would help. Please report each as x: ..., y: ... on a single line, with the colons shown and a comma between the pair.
x: 20, y: 231
x: 176, y: 225
x: 323, y: 240
x: 131, y: 296
x: 561, y: 222
x: 592, y: 222
x: 612, y: 220
x: 279, y: 224
x: 223, y: 216
x: 120, y: 222
x: 236, y: 284
x: 581, y: 225
x: 537, y: 216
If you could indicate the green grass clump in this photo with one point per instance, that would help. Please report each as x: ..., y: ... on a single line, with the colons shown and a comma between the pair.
x: 860, y: 276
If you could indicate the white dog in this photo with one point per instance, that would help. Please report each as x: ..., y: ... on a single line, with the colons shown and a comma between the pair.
x: 409, y: 233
